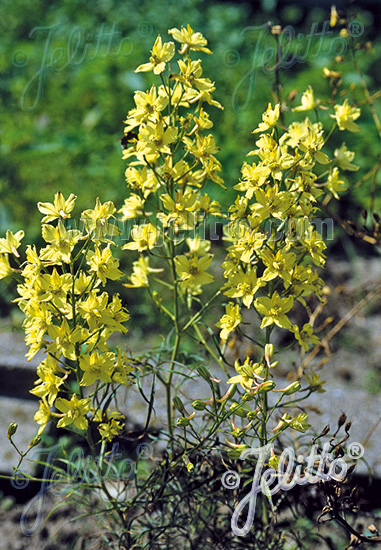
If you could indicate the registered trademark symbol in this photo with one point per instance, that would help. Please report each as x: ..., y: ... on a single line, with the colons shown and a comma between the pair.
x: 355, y: 451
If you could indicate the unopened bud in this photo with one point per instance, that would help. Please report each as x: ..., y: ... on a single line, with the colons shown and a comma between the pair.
x: 178, y: 404
x: 199, y: 405
x: 12, y: 428
x: 182, y: 422
x: 35, y: 441
x: 269, y: 350
x: 203, y: 372
x: 266, y: 386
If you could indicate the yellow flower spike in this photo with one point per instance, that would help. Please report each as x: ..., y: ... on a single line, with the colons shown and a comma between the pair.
x: 61, y: 208
x: 10, y: 244
x: 190, y: 40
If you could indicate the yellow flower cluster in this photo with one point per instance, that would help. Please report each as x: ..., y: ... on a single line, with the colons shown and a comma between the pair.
x: 68, y: 316
x: 174, y: 157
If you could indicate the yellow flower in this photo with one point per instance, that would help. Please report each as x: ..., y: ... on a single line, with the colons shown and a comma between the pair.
x: 274, y: 309
x: 122, y: 369
x: 10, y: 244
x: 61, y: 242
x: 345, y: 115
x: 144, y: 238
x: 59, y: 209
x: 153, y: 139
x: 305, y: 337
x: 189, y: 39
x: 143, y: 180
x: 334, y: 184
x: 312, y: 242
x: 343, y: 159
x: 191, y: 272
x: 96, y: 367
x: 269, y: 118
x: 244, y: 285
x: 247, y: 373
x: 48, y: 385
x: 104, y: 264
x: 111, y: 429
x: 64, y: 340
x: 148, y: 104
x: 139, y: 275
x: 311, y: 143
x: 133, y: 207
x: 334, y: 17
x: 42, y: 416
x: 230, y: 320
x: 55, y: 288
x: 308, y: 101
x: 253, y: 176
x: 279, y: 264
x: 160, y: 55
x: 74, y: 411
x: 96, y: 220
x: 181, y: 209
x: 5, y: 268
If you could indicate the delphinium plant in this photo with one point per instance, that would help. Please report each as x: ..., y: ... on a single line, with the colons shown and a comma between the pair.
x: 266, y: 284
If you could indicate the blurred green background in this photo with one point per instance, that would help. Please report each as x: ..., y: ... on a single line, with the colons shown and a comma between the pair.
x: 67, y: 83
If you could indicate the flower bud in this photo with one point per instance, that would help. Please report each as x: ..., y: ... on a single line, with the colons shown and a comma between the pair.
x: 35, y: 441
x: 292, y: 388
x: 203, y: 372
x: 266, y: 386
x: 12, y: 428
x: 269, y: 350
x: 199, y: 405
x: 182, y: 422
x: 178, y: 404
x: 238, y: 410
